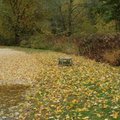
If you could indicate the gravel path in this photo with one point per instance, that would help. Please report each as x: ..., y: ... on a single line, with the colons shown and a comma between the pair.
x: 8, y: 52
x: 17, y: 74
x: 16, y: 67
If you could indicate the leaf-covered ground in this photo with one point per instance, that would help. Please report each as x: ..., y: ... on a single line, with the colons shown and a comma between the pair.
x: 85, y: 91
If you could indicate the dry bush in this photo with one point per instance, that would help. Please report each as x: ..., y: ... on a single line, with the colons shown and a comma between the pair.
x: 94, y: 46
x: 112, y: 57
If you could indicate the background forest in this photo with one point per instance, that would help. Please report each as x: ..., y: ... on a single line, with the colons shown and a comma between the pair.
x: 83, y: 27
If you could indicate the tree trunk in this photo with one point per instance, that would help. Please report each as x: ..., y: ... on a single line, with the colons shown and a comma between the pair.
x: 70, y: 18
x: 62, y: 19
x: 17, y: 39
x: 118, y: 25
x: 17, y: 36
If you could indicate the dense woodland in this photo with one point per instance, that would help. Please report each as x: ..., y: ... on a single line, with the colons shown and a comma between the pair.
x: 86, y: 27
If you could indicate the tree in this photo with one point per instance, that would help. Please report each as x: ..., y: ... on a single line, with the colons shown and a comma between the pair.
x: 64, y: 15
x: 110, y: 10
x: 20, y: 17
x: 57, y: 16
x: 90, y: 6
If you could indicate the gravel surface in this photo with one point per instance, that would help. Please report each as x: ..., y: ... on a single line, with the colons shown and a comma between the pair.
x: 17, y: 75
x: 6, y: 52
x: 16, y: 67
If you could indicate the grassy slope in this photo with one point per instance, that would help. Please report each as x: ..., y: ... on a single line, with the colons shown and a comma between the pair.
x: 85, y: 91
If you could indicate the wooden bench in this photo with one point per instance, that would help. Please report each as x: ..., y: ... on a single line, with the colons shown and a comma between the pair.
x: 65, y: 61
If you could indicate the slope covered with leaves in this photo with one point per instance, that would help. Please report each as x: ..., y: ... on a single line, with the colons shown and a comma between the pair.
x: 85, y: 91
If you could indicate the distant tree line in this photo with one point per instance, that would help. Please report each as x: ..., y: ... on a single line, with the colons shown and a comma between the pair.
x: 21, y: 19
